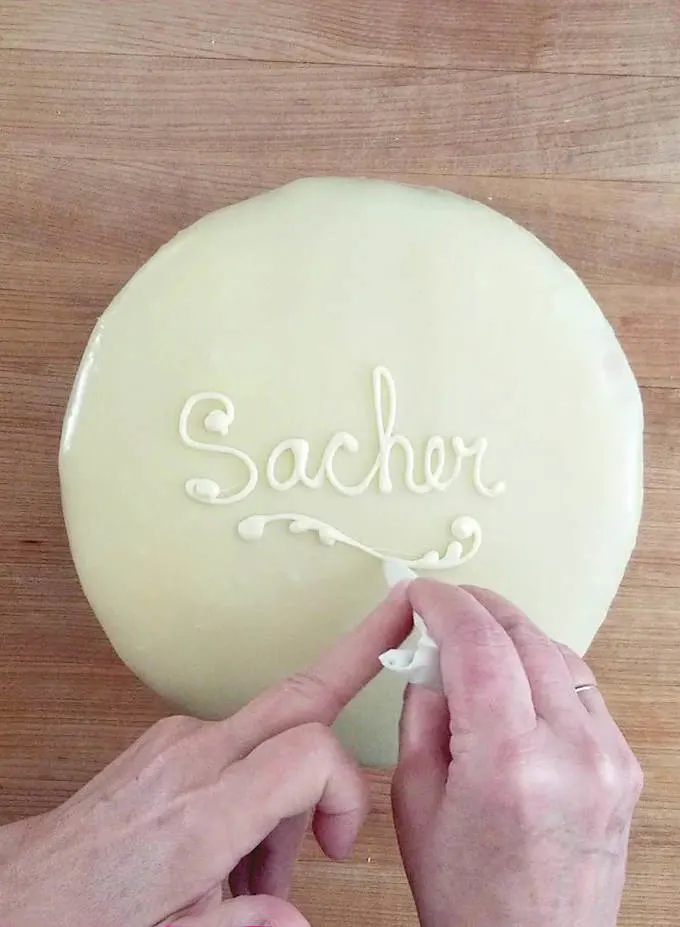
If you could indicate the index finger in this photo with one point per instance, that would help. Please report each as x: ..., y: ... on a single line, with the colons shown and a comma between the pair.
x: 322, y: 691
x: 486, y: 687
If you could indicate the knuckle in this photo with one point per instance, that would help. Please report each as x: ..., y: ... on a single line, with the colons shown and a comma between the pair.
x: 311, y: 740
x: 317, y: 748
x: 316, y: 691
x: 515, y: 760
x: 606, y: 773
x: 527, y: 778
x: 481, y: 634
x: 176, y: 727
x: 516, y: 624
x: 635, y: 775
x: 590, y: 779
x: 577, y: 666
x: 530, y: 778
x: 318, y: 738
x: 569, y: 655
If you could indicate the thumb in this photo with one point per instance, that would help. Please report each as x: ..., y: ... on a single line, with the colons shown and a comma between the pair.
x: 246, y: 911
x: 420, y: 777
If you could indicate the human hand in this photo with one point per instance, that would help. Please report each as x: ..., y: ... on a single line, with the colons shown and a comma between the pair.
x: 151, y: 839
x: 514, y: 794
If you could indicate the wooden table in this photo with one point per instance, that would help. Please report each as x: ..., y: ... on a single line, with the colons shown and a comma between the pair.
x: 122, y: 121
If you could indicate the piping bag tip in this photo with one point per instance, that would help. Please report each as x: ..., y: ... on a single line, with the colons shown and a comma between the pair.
x: 419, y: 666
x: 395, y: 571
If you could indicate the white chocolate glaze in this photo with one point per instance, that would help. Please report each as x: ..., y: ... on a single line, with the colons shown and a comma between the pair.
x: 379, y: 359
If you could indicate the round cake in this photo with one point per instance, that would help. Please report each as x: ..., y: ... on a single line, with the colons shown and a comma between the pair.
x: 326, y: 377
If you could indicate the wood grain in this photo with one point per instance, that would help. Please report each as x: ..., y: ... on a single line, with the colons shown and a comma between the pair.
x: 579, y: 36
x: 322, y: 119
x: 122, y: 122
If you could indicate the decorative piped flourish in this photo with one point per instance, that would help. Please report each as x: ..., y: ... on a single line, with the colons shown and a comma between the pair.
x: 295, y: 453
x: 462, y: 529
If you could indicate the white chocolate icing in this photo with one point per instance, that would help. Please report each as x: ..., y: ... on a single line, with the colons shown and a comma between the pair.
x: 251, y: 528
x: 381, y: 361
x: 220, y: 420
x: 476, y: 451
x: 463, y: 528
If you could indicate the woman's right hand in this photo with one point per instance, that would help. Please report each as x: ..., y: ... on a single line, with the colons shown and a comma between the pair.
x: 514, y: 794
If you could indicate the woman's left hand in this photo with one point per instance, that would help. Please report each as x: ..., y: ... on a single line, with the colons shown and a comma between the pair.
x: 152, y: 838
